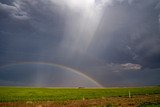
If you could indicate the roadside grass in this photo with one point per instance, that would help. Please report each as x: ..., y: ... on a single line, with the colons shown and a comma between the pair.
x: 151, y: 105
x: 13, y: 94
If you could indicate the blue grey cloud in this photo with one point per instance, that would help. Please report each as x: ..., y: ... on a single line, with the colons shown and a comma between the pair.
x: 109, y: 40
x: 14, y: 11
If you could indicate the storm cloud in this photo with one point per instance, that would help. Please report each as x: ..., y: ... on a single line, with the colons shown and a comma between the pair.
x: 115, y: 42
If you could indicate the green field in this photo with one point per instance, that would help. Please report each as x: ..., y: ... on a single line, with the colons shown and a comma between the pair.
x: 13, y: 94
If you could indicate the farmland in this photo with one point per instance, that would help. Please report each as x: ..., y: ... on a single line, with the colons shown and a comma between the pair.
x: 80, y: 96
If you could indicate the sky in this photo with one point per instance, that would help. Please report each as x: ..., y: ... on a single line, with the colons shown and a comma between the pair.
x: 111, y: 43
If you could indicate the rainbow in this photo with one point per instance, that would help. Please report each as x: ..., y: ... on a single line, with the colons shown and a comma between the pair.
x: 56, y: 65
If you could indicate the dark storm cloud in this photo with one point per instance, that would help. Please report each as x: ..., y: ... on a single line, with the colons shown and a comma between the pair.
x: 14, y: 11
x: 29, y: 29
x: 125, y: 46
x: 131, y: 31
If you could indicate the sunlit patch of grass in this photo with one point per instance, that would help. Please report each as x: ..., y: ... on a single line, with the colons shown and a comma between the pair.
x: 12, y: 94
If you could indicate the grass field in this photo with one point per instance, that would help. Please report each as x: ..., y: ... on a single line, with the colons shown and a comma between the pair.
x: 22, y: 94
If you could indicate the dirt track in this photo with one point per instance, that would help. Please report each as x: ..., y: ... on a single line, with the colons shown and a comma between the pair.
x: 135, y: 101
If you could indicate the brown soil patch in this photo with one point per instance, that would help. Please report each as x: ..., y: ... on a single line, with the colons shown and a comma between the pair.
x: 135, y: 101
